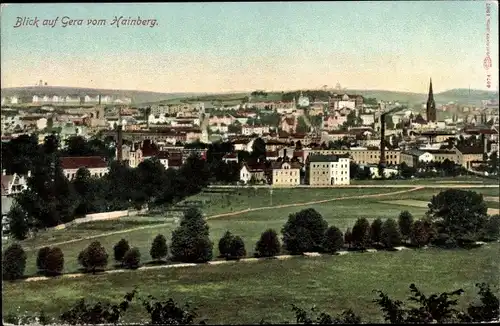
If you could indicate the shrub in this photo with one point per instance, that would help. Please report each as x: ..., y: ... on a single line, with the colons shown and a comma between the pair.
x: 420, y: 235
x: 376, y: 231
x: 159, y: 247
x: 42, y: 258
x: 132, y: 258
x: 348, y: 237
x: 54, y: 263
x: 168, y: 312
x: 225, y: 244
x: 361, y: 234
x: 268, y: 244
x: 491, y: 229
x: 94, y: 257
x: 236, y: 248
x: 304, y: 231
x: 405, y: 222
x: 334, y: 240
x: 13, y: 262
x: 120, y: 249
x: 190, y: 241
x: 390, y: 234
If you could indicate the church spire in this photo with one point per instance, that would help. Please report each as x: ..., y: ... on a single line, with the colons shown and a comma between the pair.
x: 431, y: 105
x: 431, y: 94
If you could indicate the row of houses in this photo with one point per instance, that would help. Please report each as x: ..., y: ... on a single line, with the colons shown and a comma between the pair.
x: 66, y: 99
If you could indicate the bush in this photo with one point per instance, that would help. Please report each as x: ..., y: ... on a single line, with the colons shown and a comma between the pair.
x: 419, y: 235
x: 42, y: 258
x: 361, y: 234
x: 120, y: 249
x: 334, y: 240
x: 236, y: 249
x: 268, y: 244
x: 304, y: 231
x: 225, y: 244
x: 190, y: 241
x: 376, y: 231
x: 54, y: 263
x: 405, y: 222
x: 132, y: 258
x: 491, y: 229
x: 390, y: 234
x: 94, y: 257
x: 159, y: 248
x: 348, y: 237
x: 13, y: 262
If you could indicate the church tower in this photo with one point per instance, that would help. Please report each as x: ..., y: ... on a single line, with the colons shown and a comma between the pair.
x: 431, y: 105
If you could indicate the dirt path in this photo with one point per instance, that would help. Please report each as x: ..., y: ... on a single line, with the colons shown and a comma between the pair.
x: 230, y: 214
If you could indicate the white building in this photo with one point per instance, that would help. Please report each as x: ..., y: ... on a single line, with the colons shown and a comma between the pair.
x: 96, y: 165
x: 14, y: 100
x: 329, y: 170
x: 248, y: 130
x: 303, y: 101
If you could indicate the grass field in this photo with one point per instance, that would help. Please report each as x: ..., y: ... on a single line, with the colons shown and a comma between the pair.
x: 247, y: 292
x: 472, y: 179
x: 249, y: 225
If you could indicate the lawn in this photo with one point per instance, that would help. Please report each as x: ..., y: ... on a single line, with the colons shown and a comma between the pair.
x: 247, y: 292
x: 472, y: 179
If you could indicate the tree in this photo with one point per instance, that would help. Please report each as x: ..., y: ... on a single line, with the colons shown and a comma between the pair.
x: 361, y: 234
x: 120, y: 249
x: 405, y: 222
x: 489, y: 310
x: 190, y: 241
x: 406, y: 171
x: 258, y: 148
x: 132, y: 258
x: 159, y: 247
x: 225, y: 244
x: 268, y: 244
x: 236, y: 248
x: 390, y: 234
x: 376, y: 231
x: 419, y: 235
x: 19, y: 225
x: 13, y: 262
x: 41, y: 258
x: 348, y: 237
x: 94, y: 257
x: 462, y: 214
x: 304, y: 231
x: 491, y: 229
x: 54, y: 262
x: 334, y: 240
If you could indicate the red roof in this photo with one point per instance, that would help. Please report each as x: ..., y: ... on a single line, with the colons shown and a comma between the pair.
x: 272, y: 154
x: 230, y: 155
x: 89, y: 162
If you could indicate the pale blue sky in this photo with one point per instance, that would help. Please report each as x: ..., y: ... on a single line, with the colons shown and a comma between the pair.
x: 246, y: 46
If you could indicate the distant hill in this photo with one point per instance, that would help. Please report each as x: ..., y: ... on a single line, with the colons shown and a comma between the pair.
x: 136, y: 96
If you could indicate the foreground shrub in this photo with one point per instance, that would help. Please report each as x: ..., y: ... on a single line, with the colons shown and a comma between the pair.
x: 94, y: 257
x: 41, y: 258
x: 120, y: 249
x: 390, y: 234
x: 489, y: 308
x: 236, y: 248
x: 491, y: 229
x: 190, y: 241
x: 334, y: 240
x: 132, y: 258
x: 225, y: 244
x: 168, y: 313
x: 159, y: 248
x: 54, y: 263
x: 13, y: 262
x: 346, y: 317
x: 268, y: 244
x: 304, y: 231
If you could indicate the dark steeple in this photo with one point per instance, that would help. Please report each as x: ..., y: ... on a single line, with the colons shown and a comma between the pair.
x: 431, y: 105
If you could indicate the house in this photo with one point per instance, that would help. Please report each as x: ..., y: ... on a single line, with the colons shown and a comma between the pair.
x: 72, y: 99
x: 135, y: 157
x: 412, y: 157
x: 248, y: 130
x: 174, y: 159
x: 469, y: 154
x: 11, y: 185
x: 367, y: 119
x: 285, y: 174
x: 163, y: 158
x: 333, y: 121
x: 328, y: 170
x: 303, y: 100
x: 253, y: 172
x: 230, y: 157
x: 272, y: 155
x: 96, y: 165
x: 289, y: 124
x: 374, y: 171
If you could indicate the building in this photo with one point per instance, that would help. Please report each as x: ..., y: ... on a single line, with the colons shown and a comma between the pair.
x: 328, y: 170
x: 11, y: 185
x: 253, y: 172
x: 431, y: 105
x: 285, y: 174
x: 469, y: 154
x: 412, y: 157
x: 303, y: 101
x: 96, y: 165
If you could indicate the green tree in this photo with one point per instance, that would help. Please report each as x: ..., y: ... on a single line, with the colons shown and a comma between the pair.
x: 13, y: 262
x: 334, y: 240
x: 405, y: 222
x: 94, y: 257
x: 348, y: 237
x: 225, y: 244
x: 491, y: 229
x: 132, y: 258
x: 120, y: 249
x: 258, y: 148
x: 420, y: 235
x: 190, y: 241
x: 390, y: 234
x: 376, y: 231
x: 236, y: 248
x: 19, y: 225
x: 268, y: 244
x: 41, y: 259
x: 54, y: 261
x: 361, y: 234
x: 159, y: 247
x: 304, y: 231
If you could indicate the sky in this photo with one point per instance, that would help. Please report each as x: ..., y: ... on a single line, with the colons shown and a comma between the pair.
x: 225, y: 47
